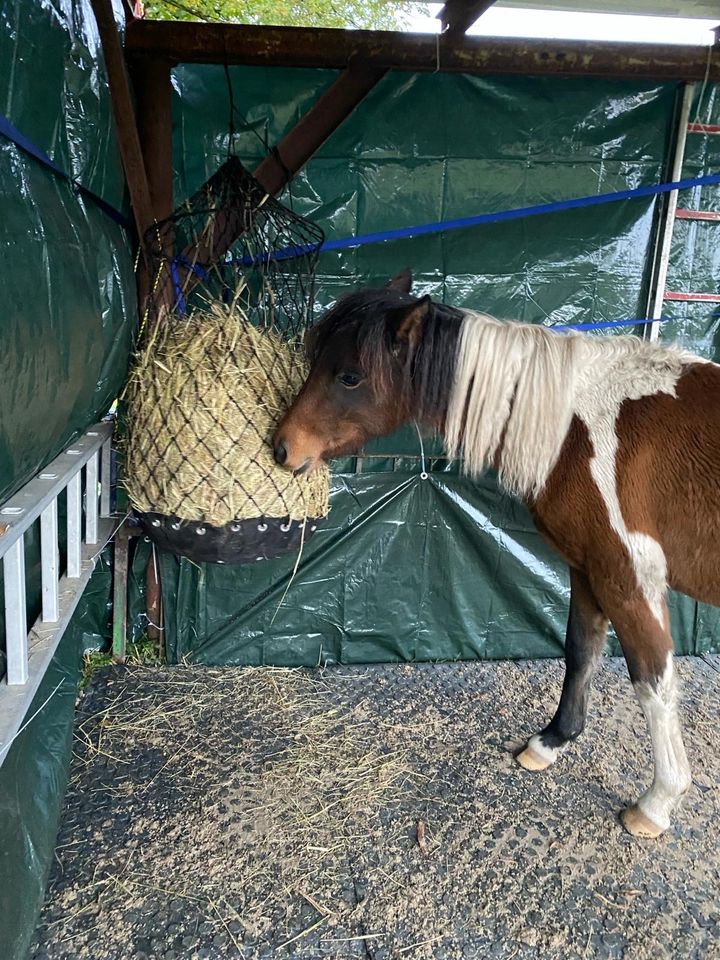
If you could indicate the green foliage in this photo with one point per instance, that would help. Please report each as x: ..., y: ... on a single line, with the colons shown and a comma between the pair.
x: 365, y: 14
x: 145, y: 651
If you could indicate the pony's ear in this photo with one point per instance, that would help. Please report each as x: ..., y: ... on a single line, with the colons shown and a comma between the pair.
x: 406, y: 323
x: 402, y: 282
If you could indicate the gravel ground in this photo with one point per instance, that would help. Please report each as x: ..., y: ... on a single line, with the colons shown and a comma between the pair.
x: 375, y: 812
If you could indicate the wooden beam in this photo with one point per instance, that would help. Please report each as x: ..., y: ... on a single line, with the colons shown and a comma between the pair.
x: 153, y: 99
x: 457, y: 16
x: 315, y: 126
x: 124, y: 113
x: 185, y: 42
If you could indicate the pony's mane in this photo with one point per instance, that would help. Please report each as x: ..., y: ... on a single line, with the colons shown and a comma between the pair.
x: 517, y: 387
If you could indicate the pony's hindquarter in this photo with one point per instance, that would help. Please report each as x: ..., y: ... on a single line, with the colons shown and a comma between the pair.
x: 634, y: 506
x: 670, y: 483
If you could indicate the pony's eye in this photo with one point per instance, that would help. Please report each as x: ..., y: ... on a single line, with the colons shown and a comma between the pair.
x: 350, y: 380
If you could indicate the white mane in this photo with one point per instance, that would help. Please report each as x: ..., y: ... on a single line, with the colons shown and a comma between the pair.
x: 517, y: 387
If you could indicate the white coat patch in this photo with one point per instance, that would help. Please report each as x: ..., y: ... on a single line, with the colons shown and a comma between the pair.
x: 523, y: 384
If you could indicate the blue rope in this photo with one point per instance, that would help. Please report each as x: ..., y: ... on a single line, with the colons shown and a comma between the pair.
x: 7, y: 129
x: 604, y: 324
x: 201, y: 272
x: 517, y: 213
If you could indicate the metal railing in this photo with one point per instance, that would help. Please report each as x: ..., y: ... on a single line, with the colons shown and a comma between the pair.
x: 29, y: 652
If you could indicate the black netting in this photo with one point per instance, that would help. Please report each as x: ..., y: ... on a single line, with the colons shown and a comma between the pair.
x: 219, y: 359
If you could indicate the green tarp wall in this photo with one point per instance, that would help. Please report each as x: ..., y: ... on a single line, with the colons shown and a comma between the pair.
x: 441, y: 569
x: 68, y: 310
x: 404, y: 568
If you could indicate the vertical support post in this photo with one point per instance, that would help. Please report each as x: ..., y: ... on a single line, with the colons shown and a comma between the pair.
x: 91, y: 499
x: 74, y: 526
x: 50, y: 562
x: 16, y: 634
x: 106, y: 478
x: 153, y: 598
x: 122, y: 104
x: 120, y: 586
x: 665, y: 227
x: 152, y: 85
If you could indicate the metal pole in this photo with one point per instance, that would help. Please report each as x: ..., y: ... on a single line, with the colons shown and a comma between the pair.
x: 50, y: 562
x: 665, y: 231
x: 16, y: 633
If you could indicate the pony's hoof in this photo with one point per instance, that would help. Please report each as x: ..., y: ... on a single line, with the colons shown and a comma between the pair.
x: 640, y: 825
x: 529, y: 759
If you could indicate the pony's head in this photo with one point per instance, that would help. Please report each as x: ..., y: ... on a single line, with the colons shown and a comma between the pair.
x: 378, y: 358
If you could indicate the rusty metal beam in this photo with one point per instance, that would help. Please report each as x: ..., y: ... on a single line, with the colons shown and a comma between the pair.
x: 185, y: 42
x: 457, y: 16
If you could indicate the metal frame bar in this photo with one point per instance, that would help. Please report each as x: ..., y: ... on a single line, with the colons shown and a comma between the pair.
x: 188, y: 42
x: 74, y: 525
x: 16, y: 649
x: 91, y: 499
x: 29, y: 653
x: 106, y: 478
x: 50, y: 562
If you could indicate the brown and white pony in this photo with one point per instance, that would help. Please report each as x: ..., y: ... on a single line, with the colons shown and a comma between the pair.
x: 614, y: 444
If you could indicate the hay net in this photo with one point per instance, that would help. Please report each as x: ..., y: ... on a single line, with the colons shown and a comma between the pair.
x: 220, y: 358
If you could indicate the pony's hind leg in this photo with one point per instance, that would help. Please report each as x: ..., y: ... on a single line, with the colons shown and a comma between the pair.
x: 584, y: 642
x: 647, y: 644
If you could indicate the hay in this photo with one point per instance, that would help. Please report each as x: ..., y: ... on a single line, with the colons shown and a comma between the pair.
x: 203, y: 402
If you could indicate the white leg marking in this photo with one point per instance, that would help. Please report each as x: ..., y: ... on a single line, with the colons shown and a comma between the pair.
x: 646, y: 554
x: 672, y: 770
x: 550, y: 754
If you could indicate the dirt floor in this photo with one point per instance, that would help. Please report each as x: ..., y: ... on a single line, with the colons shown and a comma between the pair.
x: 375, y: 812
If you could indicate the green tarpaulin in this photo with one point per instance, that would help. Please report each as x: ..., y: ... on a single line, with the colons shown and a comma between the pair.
x: 404, y: 568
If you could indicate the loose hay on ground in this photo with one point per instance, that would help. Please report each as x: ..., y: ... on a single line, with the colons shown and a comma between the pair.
x: 268, y: 813
x: 203, y: 401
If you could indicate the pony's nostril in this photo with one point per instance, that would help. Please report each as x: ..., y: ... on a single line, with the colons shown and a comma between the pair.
x: 280, y: 452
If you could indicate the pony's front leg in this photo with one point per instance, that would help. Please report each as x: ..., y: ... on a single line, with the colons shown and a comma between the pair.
x: 648, y: 648
x: 584, y: 642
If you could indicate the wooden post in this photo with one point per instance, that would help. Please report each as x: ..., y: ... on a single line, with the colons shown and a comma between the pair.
x: 153, y: 100
x: 153, y: 601
x: 120, y: 598
x: 128, y: 139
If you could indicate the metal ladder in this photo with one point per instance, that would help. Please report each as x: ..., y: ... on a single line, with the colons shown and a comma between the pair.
x: 660, y: 293
x: 29, y: 652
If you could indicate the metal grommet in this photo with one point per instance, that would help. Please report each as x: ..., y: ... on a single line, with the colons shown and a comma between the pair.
x: 200, y: 531
x: 423, y: 475
x: 235, y: 527
x: 286, y: 526
x: 262, y: 527
x: 156, y: 522
x: 313, y: 529
x: 175, y: 526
